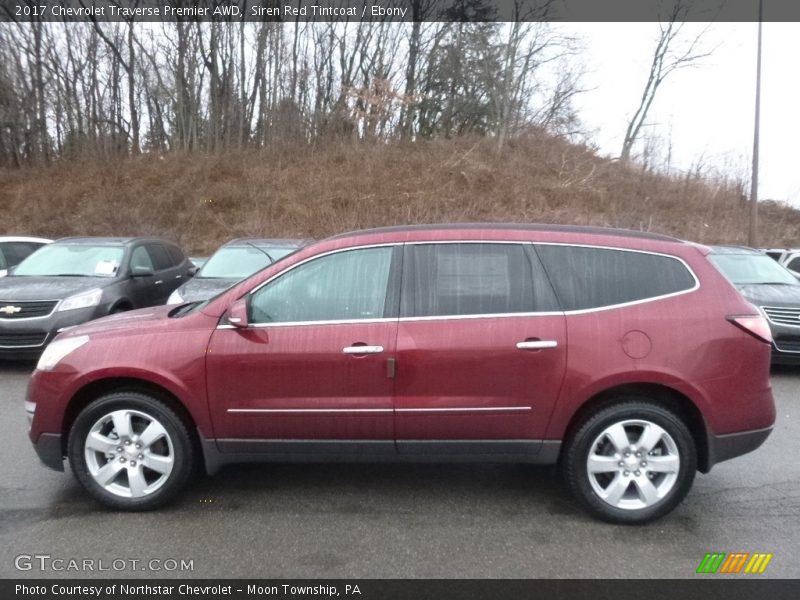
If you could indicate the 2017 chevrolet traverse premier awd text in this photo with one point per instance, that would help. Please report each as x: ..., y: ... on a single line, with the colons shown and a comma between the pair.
x: 625, y: 357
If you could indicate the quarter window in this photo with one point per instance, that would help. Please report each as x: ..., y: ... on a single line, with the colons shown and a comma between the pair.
x: 348, y: 285
x: 596, y: 277
x: 472, y: 279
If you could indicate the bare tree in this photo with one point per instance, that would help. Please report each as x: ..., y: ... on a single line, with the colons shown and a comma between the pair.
x: 672, y: 52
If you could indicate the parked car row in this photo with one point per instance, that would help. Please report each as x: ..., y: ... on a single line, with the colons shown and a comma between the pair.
x: 13, y: 250
x: 624, y: 357
x: 74, y: 280
x: 772, y: 288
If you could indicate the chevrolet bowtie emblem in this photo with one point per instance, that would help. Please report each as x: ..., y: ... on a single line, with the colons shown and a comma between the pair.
x: 10, y: 310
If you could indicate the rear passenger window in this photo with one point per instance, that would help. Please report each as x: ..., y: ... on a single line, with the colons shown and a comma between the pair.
x: 794, y: 264
x: 161, y: 258
x: 176, y: 255
x: 596, y: 277
x: 472, y: 279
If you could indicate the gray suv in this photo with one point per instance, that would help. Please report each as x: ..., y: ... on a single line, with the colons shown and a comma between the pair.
x: 75, y: 280
x: 770, y: 287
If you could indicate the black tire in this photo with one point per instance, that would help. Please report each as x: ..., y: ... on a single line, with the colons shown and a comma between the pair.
x: 177, y: 443
x: 582, y: 443
x: 120, y: 308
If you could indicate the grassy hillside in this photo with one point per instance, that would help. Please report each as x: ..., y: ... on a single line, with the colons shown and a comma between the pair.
x: 202, y: 201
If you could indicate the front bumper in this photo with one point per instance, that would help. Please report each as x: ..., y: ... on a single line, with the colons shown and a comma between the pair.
x: 25, y: 339
x: 50, y: 450
x: 730, y: 445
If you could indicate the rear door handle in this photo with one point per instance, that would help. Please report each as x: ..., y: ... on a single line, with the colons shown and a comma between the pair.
x: 537, y: 344
x: 362, y: 349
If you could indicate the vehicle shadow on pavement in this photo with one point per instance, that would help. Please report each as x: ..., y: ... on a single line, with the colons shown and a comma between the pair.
x: 379, y: 488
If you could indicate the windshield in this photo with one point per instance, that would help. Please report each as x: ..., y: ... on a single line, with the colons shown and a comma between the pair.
x: 72, y: 260
x: 238, y: 262
x: 752, y: 269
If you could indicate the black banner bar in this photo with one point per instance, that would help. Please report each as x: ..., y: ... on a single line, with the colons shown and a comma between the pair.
x: 701, y: 588
x: 397, y: 10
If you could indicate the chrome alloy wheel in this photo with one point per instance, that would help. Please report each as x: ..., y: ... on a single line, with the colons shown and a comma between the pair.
x: 129, y: 453
x: 633, y: 464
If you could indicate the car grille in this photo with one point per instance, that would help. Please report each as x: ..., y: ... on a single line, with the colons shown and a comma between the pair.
x: 783, y: 316
x: 788, y: 344
x: 21, y: 339
x: 26, y: 309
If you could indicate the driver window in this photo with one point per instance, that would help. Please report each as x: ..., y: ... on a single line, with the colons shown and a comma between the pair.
x: 140, y: 258
x: 343, y: 286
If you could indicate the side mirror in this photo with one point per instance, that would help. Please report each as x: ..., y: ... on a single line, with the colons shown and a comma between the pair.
x: 237, y: 314
x: 191, y: 272
x: 141, y: 271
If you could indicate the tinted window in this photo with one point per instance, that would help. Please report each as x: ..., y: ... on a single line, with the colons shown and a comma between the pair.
x: 140, y: 258
x: 596, y: 277
x: 160, y: 257
x: 176, y: 255
x: 343, y: 286
x: 3, y: 263
x: 794, y: 264
x: 471, y: 279
x: 16, y: 252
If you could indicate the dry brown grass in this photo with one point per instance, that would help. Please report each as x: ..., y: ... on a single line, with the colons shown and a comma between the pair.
x: 201, y: 201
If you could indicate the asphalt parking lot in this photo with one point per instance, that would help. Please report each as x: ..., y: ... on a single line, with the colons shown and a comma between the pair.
x: 354, y: 521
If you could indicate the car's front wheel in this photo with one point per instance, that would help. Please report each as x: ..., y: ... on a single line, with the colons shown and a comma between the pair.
x: 631, y: 462
x: 130, y: 451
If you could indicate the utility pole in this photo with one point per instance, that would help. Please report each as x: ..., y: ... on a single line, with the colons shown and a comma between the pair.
x: 752, y: 237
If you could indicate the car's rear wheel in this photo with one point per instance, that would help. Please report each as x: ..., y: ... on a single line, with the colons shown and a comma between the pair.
x: 130, y: 451
x: 631, y: 462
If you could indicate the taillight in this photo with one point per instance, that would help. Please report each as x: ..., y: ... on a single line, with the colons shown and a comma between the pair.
x: 755, y: 325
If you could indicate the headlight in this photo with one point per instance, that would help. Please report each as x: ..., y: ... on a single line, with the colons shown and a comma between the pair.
x: 82, y: 300
x: 175, y: 298
x: 56, y: 351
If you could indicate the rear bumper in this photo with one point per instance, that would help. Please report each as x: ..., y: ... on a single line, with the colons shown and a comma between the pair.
x: 48, y: 448
x: 730, y: 445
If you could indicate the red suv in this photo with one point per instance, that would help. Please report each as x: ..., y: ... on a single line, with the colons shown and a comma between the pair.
x: 624, y: 357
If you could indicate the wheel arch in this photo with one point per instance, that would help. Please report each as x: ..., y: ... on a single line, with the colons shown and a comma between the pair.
x: 663, y: 395
x: 100, y: 387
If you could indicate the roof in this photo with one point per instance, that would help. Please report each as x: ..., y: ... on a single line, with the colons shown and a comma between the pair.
x: 110, y: 241
x: 23, y: 238
x: 267, y: 242
x: 522, y: 227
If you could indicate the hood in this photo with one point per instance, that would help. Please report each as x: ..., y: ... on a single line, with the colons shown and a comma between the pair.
x: 203, y: 288
x: 134, y: 320
x: 47, y: 288
x: 771, y: 295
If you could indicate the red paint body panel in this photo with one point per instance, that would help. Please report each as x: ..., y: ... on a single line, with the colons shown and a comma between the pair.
x: 301, y: 368
x: 683, y: 343
x: 474, y: 363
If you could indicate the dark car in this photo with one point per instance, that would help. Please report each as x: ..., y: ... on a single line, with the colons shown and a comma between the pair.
x: 770, y: 287
x: 15, y: 249
x: 548, y: 345
x: 234, y: 261
x: 75, y: 280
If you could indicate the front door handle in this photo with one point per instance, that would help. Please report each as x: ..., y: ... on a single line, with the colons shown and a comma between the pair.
x: 362, y: 349
x: 537, y: 344
x: 159, y: 282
